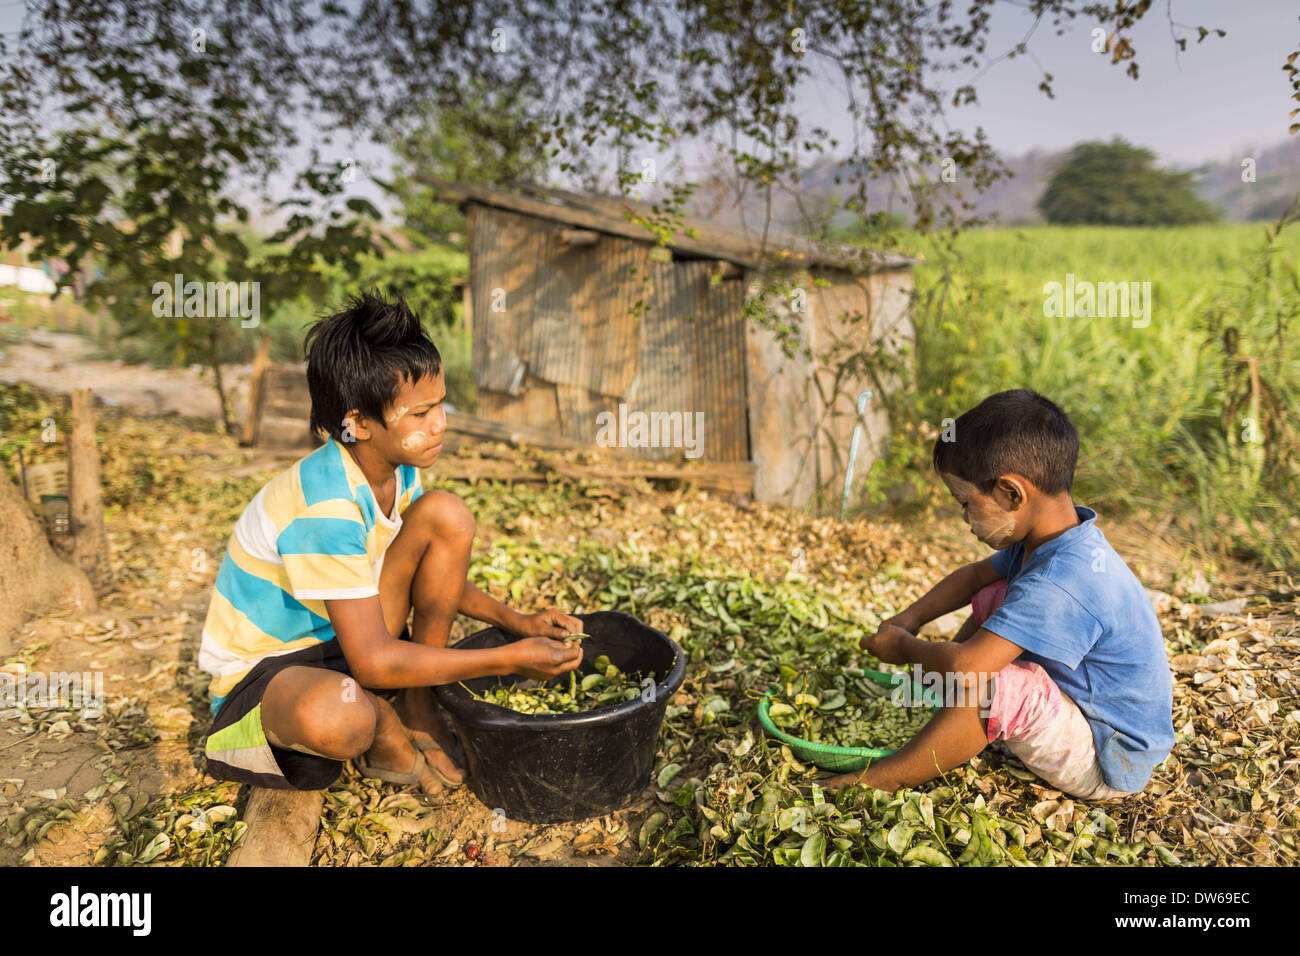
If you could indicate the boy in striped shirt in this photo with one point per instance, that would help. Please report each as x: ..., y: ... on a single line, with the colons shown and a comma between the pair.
x: 328, y: 561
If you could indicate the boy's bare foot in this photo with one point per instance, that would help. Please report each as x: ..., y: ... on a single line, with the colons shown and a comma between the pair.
x: 419, y: 713
x: 392, y: 749
x: 401, y: 758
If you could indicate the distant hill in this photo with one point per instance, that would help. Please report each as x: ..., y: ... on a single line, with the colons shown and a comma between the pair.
x: 1277, y: 180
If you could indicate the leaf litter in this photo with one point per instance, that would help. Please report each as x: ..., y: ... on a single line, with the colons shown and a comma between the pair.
x: 745, y: 590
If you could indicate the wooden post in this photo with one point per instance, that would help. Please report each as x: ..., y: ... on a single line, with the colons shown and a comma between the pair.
x: 261, y: 362
x: 85, y: 498
x: 469, y: 311
x: 281, y: 828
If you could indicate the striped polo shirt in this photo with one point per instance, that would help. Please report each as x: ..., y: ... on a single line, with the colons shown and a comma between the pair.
x: 314, y: 532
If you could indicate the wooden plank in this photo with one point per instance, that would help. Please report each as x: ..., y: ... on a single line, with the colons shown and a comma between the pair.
x: 732, y: 479
x: 486, y: 429
x: 290, y: 430
x: 735, y: 479
x: 282, y: 391
x: 281, y: 828
x: 577, y: 417
x: 285, y: 433
x: 534, y: 407
x: 286, y: 378
x: 286, y: 408
x: 780, y: 397
x: 836, y: 334
x: 881, y: 304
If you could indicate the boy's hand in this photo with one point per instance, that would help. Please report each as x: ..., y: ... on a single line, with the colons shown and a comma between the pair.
x: 886, y: 643
x: 549, y: 623
x: 542, y: 658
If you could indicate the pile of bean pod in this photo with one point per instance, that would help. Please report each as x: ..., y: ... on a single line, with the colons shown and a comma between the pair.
x: 847, y: 710
x: 605, y: 687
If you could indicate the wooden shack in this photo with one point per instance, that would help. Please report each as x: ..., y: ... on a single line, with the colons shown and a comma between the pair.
x: 582, y: 321
x: 580, y: 317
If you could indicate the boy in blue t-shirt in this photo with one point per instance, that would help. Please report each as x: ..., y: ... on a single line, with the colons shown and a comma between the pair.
x: 1062, y: 657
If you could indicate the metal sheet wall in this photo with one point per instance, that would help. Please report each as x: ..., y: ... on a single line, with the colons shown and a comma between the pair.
x: 692, y: 356
x: 569, y: 329
x: 504, y: 250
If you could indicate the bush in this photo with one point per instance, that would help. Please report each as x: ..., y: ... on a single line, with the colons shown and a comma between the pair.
x: 424, y: 276
x: 456, y: 348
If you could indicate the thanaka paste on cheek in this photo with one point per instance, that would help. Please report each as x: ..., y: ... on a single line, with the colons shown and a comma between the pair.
x: 992, y: 525
x: 995, y: 530
x: 397, y: 413
x: 414, y: 440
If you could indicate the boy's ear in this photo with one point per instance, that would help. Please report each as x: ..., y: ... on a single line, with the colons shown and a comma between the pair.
x: 1014, y: 489
x: 355, y: 425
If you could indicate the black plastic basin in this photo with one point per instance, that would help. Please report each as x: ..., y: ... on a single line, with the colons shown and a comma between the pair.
x: 564, y: 767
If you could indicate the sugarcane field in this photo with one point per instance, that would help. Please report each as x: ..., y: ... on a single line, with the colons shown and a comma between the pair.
x: 647, y: 437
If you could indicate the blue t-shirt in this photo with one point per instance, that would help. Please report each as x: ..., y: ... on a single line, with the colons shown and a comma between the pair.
x: 1080, y: 613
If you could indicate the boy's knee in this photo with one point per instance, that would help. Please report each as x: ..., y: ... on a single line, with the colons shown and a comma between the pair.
x: 447, y: 514
x: 343, y: 718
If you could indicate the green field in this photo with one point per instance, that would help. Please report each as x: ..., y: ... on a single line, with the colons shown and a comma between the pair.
x: 1163, y: 409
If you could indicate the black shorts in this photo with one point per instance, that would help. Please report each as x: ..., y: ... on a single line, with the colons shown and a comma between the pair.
x: 237, y: 748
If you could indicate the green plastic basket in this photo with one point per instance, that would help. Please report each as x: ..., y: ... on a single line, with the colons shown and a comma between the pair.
x: 827, y: 756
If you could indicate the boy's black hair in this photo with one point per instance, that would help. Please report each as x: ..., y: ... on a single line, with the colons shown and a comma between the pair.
x: 356, y: 358
x: 1016, y: 431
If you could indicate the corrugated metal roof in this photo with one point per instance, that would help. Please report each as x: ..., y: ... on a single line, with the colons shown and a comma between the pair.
x: 697, y: 237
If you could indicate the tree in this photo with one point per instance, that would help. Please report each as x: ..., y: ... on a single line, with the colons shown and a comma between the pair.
x: 1114, y: 184
x: 244, y: 77
x: 155, y: 121
x: 481, y: 139
x: 187, y: 100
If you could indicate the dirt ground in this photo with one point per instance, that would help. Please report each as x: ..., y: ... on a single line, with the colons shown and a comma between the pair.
x: 75, y: 787
x: 56, y: 362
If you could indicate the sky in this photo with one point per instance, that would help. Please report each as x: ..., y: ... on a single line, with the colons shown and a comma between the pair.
x: 1216, y: 99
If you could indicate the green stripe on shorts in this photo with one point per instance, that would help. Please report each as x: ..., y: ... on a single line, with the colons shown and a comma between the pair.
x: 243, y: 744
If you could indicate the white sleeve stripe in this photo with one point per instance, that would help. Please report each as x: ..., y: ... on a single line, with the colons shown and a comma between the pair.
x: 255, y: 531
